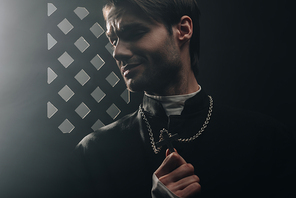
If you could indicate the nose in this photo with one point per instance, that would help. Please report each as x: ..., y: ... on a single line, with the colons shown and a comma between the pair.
x: 122, y: 51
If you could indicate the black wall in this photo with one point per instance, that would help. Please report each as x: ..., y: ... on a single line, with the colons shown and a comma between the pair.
x: 247, y: 55
x: 247, y: 61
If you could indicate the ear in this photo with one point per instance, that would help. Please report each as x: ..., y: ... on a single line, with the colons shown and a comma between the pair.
x: 184, y: 29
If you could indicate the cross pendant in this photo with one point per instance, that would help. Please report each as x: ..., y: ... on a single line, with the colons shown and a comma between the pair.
x: 166, y: 139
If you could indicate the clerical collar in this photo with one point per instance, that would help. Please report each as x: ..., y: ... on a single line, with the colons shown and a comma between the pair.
x: 173, y: 105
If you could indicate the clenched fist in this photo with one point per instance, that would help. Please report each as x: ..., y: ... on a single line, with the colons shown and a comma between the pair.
x: 178, y: 176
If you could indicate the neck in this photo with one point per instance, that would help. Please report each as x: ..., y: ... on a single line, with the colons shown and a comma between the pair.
x: 173, y: 105
x: 185, y: 85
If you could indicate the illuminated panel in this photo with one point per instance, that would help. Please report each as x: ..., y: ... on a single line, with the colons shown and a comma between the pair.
x: 97, y: 125
x: 82, y: 110
x: 97, y: 30
x: 66, y: 93
x: 50, y: 41
x: 50, y: 9
x: 51, y: 109
x: 82, y: 77
x: 113, y: 111
x: 51, y: 75
x: 112, y: 79
x: 65, y: 26
x: 97, y: 62
x: 65, y: 59
x: 98, y: 94
x: 126, y: 96
x: 81, y: 44
x: 66, y: 126
x: 81, y: 12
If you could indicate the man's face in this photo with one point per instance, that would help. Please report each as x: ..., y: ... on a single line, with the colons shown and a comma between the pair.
x: 146, y: 53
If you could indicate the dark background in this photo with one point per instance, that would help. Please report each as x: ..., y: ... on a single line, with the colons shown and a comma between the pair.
x: 247, y: 61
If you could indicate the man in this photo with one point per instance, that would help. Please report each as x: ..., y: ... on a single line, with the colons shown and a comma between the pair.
x: 216, y: 152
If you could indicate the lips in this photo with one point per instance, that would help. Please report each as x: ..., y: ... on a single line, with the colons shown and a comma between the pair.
x: 127, y: 69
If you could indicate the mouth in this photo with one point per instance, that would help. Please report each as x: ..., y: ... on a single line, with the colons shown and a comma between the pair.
x: 127, y: 69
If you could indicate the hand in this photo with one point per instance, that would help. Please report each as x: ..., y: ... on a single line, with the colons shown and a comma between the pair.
x: 178, y: 176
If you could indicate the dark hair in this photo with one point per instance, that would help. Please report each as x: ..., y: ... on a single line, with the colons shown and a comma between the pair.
x: 168, y: 12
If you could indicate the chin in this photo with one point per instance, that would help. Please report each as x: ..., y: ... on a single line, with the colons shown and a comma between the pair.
x: 134, y: 88
x: 135, y: 85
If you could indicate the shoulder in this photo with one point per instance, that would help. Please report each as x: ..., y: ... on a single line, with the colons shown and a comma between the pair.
x: 110, y: 132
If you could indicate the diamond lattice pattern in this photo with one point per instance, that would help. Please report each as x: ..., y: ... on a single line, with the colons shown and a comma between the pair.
x: 79, y: 76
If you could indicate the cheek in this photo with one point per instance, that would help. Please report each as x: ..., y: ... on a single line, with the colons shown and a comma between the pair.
x: 148, y: 45
x: 153, y: 49
x: 154, y: 41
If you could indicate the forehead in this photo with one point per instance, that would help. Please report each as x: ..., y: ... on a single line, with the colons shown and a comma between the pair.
x: 119, y: 19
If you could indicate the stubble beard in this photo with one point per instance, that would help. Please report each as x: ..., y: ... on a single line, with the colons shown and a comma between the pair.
x: 158, y: 77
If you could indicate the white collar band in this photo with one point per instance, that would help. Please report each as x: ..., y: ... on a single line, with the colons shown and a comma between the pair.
x: 173, y: 105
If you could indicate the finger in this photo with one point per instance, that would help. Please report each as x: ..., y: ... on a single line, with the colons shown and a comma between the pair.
x: 189, y: 191
x: 179, y: 173
x: 169, y: 152
x: 183, y: 183
x: 170, y: 163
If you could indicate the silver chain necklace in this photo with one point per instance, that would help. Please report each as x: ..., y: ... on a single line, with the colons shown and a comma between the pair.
x: 190, y: 139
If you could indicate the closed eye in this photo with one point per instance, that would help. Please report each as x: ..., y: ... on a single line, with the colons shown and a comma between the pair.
x: 132, y: 36
x: 137, y: 35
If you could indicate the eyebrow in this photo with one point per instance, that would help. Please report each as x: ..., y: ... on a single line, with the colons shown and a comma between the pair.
x: 124, y: 28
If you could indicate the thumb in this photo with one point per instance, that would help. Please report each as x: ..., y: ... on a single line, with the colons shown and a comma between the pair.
x: 169, y: 152
x: 170, y: 163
